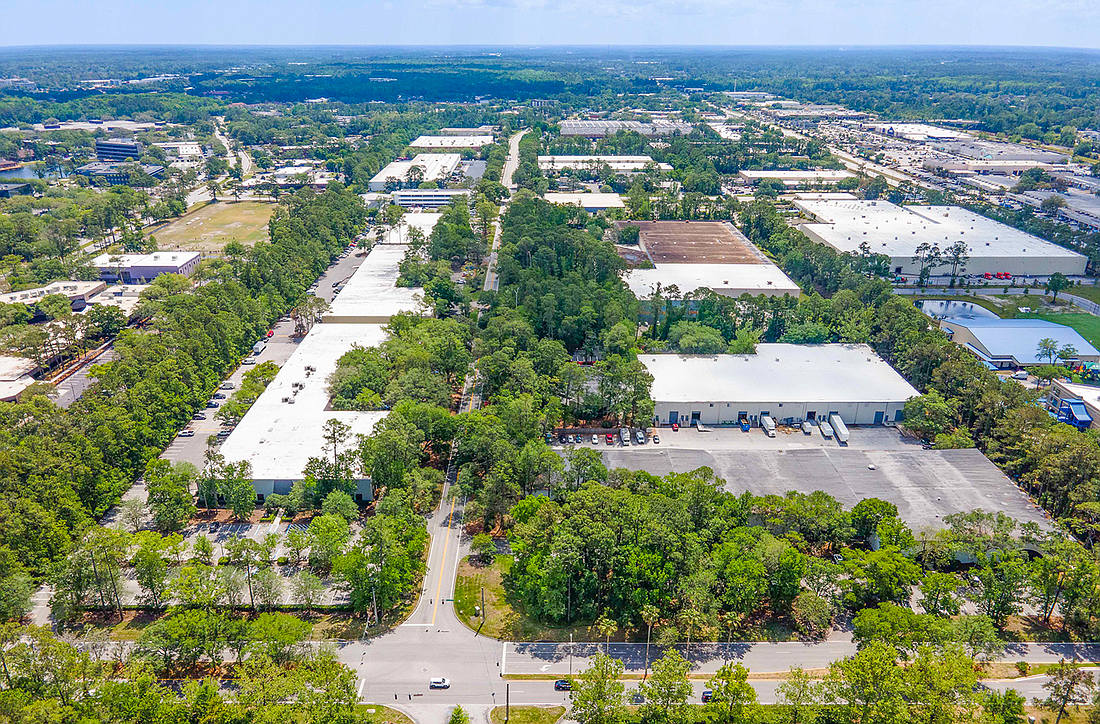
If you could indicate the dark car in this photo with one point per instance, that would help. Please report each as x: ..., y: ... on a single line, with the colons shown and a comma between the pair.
x: 198, y: 416
x: 212, y: 403
x: 707, y: 695
x: 563, y: 685
x: 219, y: 396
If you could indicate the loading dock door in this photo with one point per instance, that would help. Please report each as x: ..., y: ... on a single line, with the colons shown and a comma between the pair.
x: 695, y: 417
x: 878, y: 417
x: 673, y: 417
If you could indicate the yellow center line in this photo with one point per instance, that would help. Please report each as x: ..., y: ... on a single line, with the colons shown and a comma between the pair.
x: 442, y: 563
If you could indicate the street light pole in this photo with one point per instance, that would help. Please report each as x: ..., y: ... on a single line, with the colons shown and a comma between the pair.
x: 570, y: 657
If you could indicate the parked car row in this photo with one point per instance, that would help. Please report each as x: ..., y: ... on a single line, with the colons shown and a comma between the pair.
x: 622, y: 437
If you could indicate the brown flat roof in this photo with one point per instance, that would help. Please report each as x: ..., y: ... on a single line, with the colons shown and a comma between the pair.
x: 695, y: 242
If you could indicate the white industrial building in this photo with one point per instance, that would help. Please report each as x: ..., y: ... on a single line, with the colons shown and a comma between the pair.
x: 919, y: 132
x: 284, y: 428
x: 897, y: 231
x: 1013, y: 343
x: 145, y: 267
x: 728, y: 280
x: 460, y: 142
x: 787, y: 382
x: 371, y: 295
x: 618, y: 164
x: 435, y: 167
x: 589, y: 202
x: 812, y: 177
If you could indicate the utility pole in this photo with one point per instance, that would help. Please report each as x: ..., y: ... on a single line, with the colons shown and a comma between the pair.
x: 507, y: 701
x: 374, y: 598
x: 570, y: 657
x: 483, y: 605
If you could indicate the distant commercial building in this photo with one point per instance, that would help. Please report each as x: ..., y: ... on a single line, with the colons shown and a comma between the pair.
x: 78, y: 293
x: 15, y: 376
x: 485, y: 130
x: 599, y: 129
x: 14, y: 189
x: 118, y: 173
x: 460, y: 142
x: 618, y: 164
x: 591, y: 203
x: 897, y: 231
x: 428, y: 198
x: 792, y: 178
x: 788, y: 382
x: 21, y: 84
x: 433, y: 167
x: 1081, y: 208
x: 140, y: 268
x: 117, y: 150
x: 1012, y: 343
x: 919, y: 132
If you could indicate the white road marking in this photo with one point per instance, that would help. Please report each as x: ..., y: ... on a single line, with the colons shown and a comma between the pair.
x: 359, y: 694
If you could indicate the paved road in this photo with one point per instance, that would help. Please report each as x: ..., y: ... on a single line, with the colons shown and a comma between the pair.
x: 75, y: 384
x: 492, y: 281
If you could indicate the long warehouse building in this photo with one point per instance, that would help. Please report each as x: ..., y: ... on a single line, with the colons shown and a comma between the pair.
x: 897, y: 232
x: 788, y: 382
x: 285, y: 427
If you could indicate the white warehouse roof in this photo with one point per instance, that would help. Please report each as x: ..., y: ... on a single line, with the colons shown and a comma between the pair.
x: 452, y: 142
x: 436, y: 166
x: 616, y: 163
x: 778, y: 373
x: 587, y: 201
x: 795, y: 177
x: 279, y: 438
x: 372, y: 296
x: 897, y: 231
x: 731, y: 280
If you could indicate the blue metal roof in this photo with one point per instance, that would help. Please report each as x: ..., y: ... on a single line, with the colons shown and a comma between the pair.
x: 1019, y: 338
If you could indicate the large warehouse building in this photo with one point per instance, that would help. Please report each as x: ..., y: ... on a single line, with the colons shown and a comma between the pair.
x: 701, y: 254
x: 436, y: 167
x: 284, y: 428
x: 897, y: 232
x: 1012, y: 343
x: 787, y: 382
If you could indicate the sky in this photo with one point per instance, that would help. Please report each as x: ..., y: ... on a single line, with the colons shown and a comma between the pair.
x: 1066, y: 23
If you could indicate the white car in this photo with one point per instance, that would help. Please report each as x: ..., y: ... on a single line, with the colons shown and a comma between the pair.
x: 595, y: 439
x: 439, y: 683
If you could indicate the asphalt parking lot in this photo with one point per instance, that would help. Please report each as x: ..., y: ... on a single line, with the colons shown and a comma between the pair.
x: 925, y: 485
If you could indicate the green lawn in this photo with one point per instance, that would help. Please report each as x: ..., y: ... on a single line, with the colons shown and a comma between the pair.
x: 527, y: 714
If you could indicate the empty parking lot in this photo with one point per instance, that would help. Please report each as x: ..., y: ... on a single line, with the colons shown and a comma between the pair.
x: 925, y: 485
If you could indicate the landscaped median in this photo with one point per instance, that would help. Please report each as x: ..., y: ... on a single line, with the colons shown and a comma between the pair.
x: 527, y: 714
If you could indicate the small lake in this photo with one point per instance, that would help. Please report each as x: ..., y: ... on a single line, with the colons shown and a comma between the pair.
x: 24, y: 172
x: 943, y: 309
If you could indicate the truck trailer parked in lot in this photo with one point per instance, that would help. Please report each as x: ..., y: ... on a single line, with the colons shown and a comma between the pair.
x: 826, y: 429
x: 839, y: 428
x: 768, y: 425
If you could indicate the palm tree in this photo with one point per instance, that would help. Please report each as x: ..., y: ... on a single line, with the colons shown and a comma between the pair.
x: 691, y: 618
x: 650, y: 614
x: 606, y: 626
